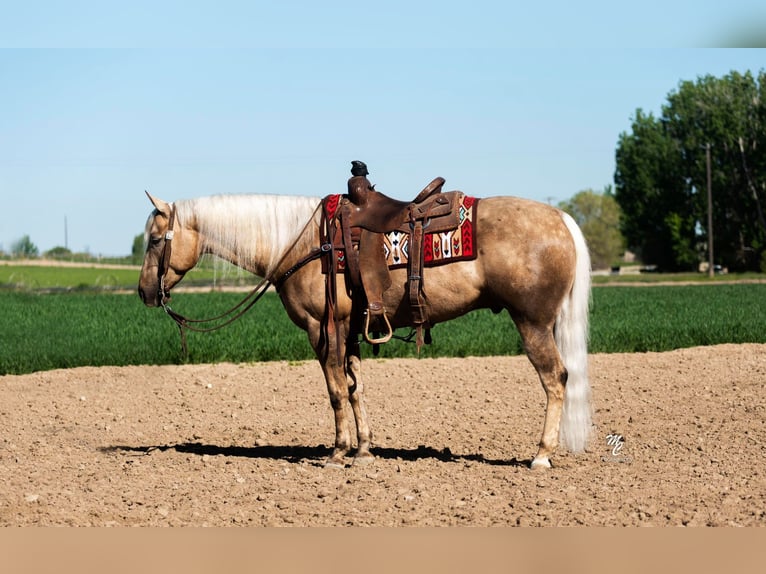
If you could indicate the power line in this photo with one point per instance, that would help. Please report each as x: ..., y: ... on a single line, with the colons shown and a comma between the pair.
x: 711, y: 270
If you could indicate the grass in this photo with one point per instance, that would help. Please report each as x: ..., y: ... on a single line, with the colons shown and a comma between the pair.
x: 32, y: 277
x: 100, y: 278
x: 47, y: 331
x: 670, y: 317
x: 701, y: 278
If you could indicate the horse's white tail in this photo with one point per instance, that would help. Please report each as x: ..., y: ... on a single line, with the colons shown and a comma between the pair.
x: 571, y: 334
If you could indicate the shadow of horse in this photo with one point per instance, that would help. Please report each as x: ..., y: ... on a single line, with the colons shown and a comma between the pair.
x: 315, y: 454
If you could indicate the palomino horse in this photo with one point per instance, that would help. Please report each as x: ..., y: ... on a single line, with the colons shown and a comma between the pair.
x: 532, y: 261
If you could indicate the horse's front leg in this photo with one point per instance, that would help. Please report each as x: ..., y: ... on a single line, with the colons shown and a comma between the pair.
x: 337, y: 388
x: 356, y: 398
x: 344, y: 386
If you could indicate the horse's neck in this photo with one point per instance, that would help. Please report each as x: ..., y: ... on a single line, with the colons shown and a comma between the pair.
x: 255, y: 232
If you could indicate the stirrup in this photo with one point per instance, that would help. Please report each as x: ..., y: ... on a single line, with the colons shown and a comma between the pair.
x: 385, y: 338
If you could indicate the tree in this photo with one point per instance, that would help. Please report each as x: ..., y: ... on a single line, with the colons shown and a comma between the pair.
x: 137, y: 253
x: 661, y: 174
x: 24, y: 248
x: 726, y: 113
x: 598, y: 215
x: 650, y: 192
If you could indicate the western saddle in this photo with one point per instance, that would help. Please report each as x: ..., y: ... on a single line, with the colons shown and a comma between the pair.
x: 358, y: 226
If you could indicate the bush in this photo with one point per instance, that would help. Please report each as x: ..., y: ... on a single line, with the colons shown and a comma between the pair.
x: 58, y: 253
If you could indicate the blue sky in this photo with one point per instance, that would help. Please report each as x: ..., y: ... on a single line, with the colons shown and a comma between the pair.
x: 99, y: 104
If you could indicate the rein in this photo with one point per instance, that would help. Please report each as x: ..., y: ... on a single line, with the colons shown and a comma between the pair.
x: 250, y: 299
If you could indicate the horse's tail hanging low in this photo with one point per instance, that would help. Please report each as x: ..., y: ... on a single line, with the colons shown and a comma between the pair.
x: 572, y: 340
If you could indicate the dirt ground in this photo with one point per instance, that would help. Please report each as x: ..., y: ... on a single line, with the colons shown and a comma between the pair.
x: 244, y: 445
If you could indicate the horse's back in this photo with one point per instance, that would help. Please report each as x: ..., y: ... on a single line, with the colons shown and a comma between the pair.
x: 526, y: 252
x: 523, y: 222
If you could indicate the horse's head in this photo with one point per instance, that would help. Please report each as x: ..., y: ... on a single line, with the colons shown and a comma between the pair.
x: 171, y: 250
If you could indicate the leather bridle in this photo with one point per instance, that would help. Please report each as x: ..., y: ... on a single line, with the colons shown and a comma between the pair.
x: 164, y: 263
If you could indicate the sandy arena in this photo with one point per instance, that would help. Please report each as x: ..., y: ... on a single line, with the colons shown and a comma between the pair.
x: 243, y: 445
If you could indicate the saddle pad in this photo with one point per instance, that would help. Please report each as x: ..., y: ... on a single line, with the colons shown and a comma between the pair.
x: 438, y: 248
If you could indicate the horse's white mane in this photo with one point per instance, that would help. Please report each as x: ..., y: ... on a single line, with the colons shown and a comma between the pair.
x: 254, y: 227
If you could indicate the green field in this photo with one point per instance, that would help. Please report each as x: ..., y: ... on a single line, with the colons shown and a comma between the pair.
x: 654, y: 278
x: 69, y: 329
x: 33, y: 277
x: 99, y: 278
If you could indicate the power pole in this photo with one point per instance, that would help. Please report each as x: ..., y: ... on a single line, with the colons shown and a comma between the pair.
x: 710, y: 270
x: 66, y: 235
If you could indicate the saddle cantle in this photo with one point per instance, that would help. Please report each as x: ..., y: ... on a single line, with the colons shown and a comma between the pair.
x: 361, y: 219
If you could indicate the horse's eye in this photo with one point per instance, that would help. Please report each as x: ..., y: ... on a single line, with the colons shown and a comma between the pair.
x: 154, y: 240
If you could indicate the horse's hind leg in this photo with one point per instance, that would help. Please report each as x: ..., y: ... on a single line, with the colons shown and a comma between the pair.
x: 542, y: 352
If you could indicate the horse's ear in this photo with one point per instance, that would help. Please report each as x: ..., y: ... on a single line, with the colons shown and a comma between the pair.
x: 161, y: 206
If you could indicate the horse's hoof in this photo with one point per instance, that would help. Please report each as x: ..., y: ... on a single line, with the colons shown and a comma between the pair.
x: 334, y: 463
x: 540, y: 463
x: 363, y: 459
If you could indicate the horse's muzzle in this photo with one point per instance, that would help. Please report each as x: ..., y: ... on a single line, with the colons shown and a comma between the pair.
x: 150, y: 300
